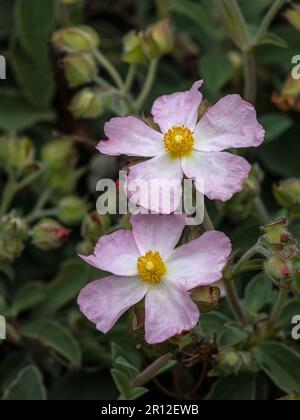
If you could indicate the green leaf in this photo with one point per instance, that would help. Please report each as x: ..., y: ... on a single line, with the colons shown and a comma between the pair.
x: 28, y: 296
x: 7, y: 270
x: 138, y: 392
x: 73, y: 275
x: 17, y: 115
x: 232, y: 334
x: 273, y: 39
x: 281, y: 364
x: 213, y: 323
x: 258, y: 294
x: 55, y: 336
x: 276, y: 125
x: 130, y: 371
x: 122, y: 383
x: 285, y: 319
x: 234, y: 388
x: 216, y: 70
x: 196, y: 12
x: 27, y: 386
x: 35, y: 21
x: 35, y: 77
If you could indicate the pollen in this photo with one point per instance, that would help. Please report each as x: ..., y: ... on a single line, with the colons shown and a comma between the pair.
x: 179, y: 141
x: 151, y: 267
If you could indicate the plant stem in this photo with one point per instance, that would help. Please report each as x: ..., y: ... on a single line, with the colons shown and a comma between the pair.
x: 241, y: 20
x: 234, y: 301
x: 130, y: 78
x: 147, y: 85
x: 278, y: 305
x: 8, y: 194
x: 110, y: 68
x: 256, y: 249
x: 250, y: 91
x: 261, y: 212
x: 207, y: 222
x: 40, y: 204
x: 231, y: 292
x: 267, y: 20
x: 40, y: 214
x: 151, y: 371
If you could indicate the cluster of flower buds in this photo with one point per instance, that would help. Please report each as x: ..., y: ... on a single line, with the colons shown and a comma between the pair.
x: 13, y: 234
x: 80, y: 69
x: 49, y: 235
x: 60, y: 158
x: 240, y: 207
x: 282, y: 246
x: 142, y: 47
x: 16, y: 154
x: 93, y: 227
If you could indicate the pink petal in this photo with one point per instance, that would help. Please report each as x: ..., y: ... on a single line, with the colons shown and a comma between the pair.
x: 132, y: 137
x: 218, y: 175
x: 157, y: 232
x: 178, y: 109
x: 158, y: 175
x: 169, y: 311
x: 116, y: 253
x: 230, y: 123
x: 104, y: 301
x: 200, y: 262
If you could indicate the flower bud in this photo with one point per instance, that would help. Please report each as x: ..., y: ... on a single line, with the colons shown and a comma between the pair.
x: 85, y: 248
x: 139, y: 48
x: 277, y: 236
x: 60, y: 154
x: 76, y: 39
x: 279, y: 269
x: 206, y: 298
x: 136, y: 319
x: 86, y: 104
x: 69, y: 2
x: 287, y: 193
x: 13, y: 233
x: 94, y: 225
x: 80, y: 69
x: 16, y: 153
x: 71, y: 210
x: 163, y: 35
x: 49, y: 235
x: 231, y: 362
x: 293, y: 16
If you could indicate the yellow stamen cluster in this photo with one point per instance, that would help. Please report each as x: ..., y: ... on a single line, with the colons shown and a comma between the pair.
x: 179, y: 141
x: 151, y: 267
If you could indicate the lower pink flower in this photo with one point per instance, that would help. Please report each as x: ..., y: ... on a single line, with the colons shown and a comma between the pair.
x: 145, y: 264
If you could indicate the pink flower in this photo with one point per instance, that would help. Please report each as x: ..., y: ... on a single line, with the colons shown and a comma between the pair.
x: 145, y: 264
x: 186, y: 147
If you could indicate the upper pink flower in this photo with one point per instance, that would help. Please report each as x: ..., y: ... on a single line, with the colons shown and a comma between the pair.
x: 188, y: 147
x: 145, y: 263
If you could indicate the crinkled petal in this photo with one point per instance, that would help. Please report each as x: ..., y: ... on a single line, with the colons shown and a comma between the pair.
x: 157, y: 232
x: 169, y: 311
x: 178, y: 109
x: 200, y: 262
x: 218, y: 175
x: 105, y: 301
x: 116, y: 253
x: 156, y: 184
x: 132, y: 137
x: 232, y: 122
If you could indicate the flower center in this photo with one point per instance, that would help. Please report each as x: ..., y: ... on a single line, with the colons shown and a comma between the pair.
x: 179, y: 141
x: 151, y: 267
